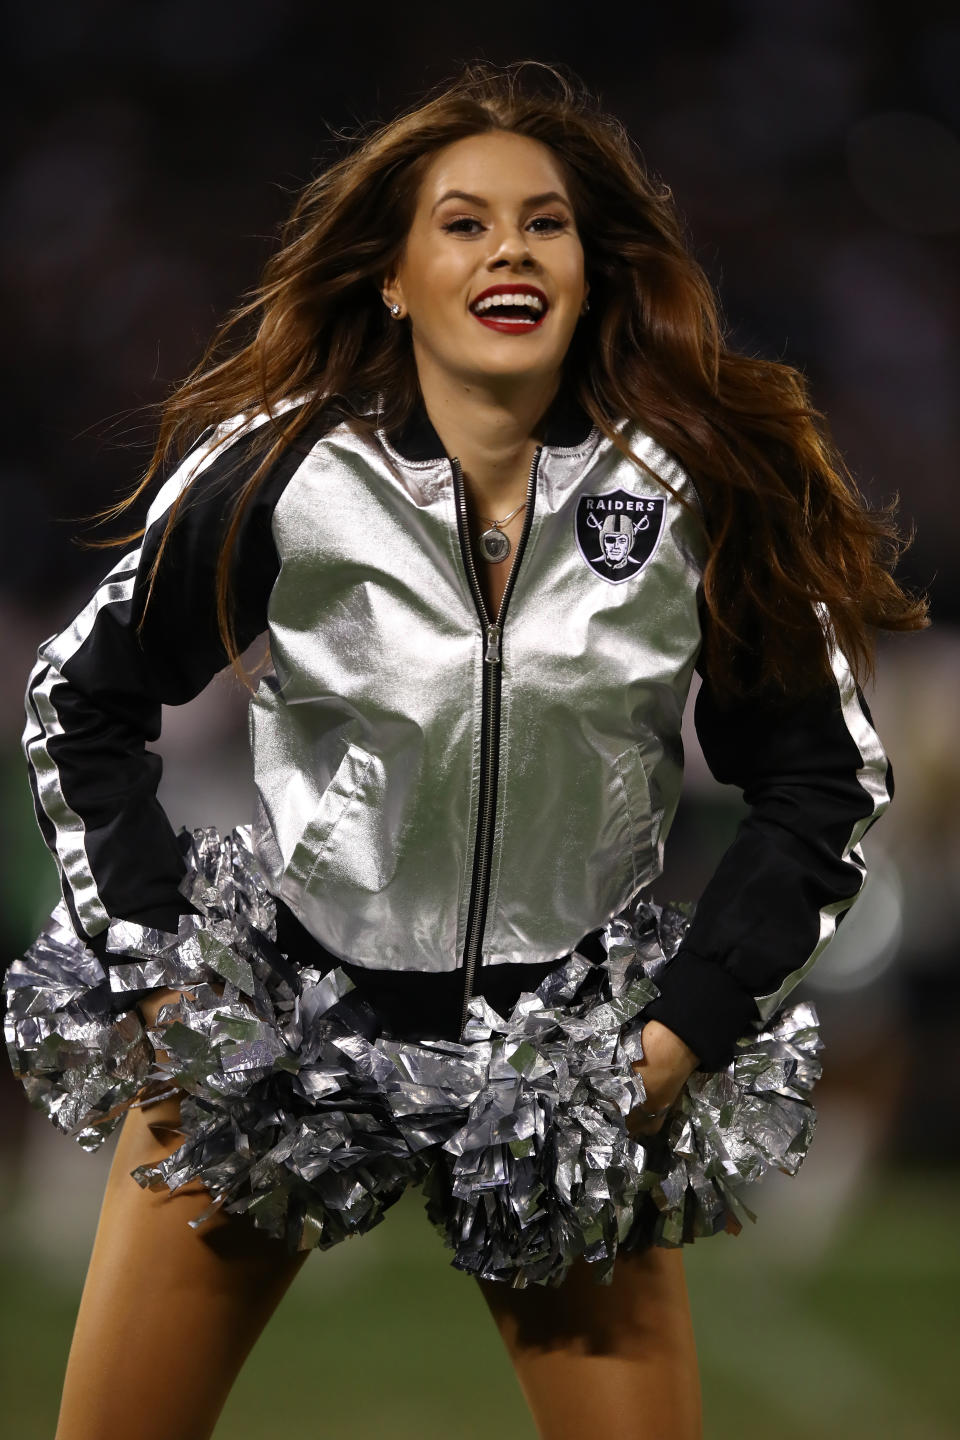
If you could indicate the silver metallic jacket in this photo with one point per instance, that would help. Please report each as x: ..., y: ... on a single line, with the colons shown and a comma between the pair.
x: 439, y: 787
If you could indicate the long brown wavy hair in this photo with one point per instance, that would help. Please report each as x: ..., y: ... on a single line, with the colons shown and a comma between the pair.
x: 788, y: 531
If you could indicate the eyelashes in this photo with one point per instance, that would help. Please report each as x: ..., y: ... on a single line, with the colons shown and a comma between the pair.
x: 553, y: 221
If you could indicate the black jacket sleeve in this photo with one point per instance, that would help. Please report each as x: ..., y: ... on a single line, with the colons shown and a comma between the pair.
x: 94, y: 699
x: 815, y: 777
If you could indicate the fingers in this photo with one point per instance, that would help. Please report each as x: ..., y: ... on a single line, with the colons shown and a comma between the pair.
x: 151, y: 1005
x: 648, y: 1118
x: 639, y: 1124
x: 660, y: 1090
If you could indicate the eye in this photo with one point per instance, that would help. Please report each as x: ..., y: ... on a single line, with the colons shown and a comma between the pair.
x: 545, y: 224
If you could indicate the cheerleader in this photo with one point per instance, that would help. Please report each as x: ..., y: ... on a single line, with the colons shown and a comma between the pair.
x: 478, y: 461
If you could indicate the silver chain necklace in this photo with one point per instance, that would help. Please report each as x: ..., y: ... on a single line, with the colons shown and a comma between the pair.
x: 494, y: 545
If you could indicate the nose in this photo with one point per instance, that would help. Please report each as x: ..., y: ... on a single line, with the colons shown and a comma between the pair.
x: 512, y: 250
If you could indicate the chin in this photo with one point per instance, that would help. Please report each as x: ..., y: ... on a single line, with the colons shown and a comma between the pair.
x: 518, y: 367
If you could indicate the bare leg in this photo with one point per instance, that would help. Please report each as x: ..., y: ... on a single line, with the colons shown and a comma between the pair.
x: 617, y: 1360
x: 168, y: 1315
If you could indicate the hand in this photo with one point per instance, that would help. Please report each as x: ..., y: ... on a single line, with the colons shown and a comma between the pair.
x: 161, y: 1105
x: 667, y: 1064
x: 151, y: 1005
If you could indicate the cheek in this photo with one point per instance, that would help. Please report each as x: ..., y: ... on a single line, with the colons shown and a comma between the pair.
x: 573, y: 281
x: 575, y: 268
x: 436, y: 283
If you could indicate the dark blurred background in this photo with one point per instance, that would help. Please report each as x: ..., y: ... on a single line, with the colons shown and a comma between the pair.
x: 151, y: 151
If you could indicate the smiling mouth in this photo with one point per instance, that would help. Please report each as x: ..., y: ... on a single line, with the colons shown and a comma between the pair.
x: 510, y: 315
x: 509, y: 324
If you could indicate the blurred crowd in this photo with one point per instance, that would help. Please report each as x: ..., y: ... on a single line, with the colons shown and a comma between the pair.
x: 152, y: 151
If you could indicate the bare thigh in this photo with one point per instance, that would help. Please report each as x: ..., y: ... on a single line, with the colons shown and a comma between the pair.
x: 168, y: 1315
x: 606, y: 1360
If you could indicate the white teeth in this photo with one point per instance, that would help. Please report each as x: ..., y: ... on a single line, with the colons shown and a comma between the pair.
x: 519, y: 298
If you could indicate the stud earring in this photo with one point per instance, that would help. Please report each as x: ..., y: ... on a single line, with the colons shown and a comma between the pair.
x: 395, y: 311
x: 585, y: 307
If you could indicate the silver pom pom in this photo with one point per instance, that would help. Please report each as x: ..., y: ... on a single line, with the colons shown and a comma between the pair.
x: 79, y: 1062
x: 298, y: 1109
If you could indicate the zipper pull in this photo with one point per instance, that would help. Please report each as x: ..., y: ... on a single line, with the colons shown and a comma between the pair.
x: 492, y: 653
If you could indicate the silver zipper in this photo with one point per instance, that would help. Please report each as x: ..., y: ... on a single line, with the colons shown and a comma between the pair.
x: 493, y: 631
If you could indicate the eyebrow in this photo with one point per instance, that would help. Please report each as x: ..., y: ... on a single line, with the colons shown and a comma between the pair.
x: 478, y: 200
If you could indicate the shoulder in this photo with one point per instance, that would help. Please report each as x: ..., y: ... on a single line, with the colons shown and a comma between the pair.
x: 226, y: 457
x: 654, y: 458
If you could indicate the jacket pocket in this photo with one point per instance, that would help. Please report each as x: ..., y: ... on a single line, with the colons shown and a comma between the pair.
x: 643, y: 822
x: 343, y: 796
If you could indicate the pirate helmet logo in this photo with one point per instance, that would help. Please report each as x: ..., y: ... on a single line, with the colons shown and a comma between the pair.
x: 617, y: 533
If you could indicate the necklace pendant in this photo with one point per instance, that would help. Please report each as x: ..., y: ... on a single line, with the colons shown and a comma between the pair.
x: 494, y: 545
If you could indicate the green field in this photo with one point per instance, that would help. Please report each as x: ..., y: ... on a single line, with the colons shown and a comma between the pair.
x: 383, y: 1338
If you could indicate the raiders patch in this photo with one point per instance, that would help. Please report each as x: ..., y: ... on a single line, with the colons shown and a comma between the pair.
x: 617, y: 533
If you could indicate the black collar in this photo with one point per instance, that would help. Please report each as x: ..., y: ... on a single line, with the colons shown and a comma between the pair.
x: 566, y: 426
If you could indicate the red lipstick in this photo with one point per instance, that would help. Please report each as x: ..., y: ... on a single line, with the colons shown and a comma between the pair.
x: 531, y: 308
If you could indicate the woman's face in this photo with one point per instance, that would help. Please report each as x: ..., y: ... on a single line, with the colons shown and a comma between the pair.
x: 493, y: 215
